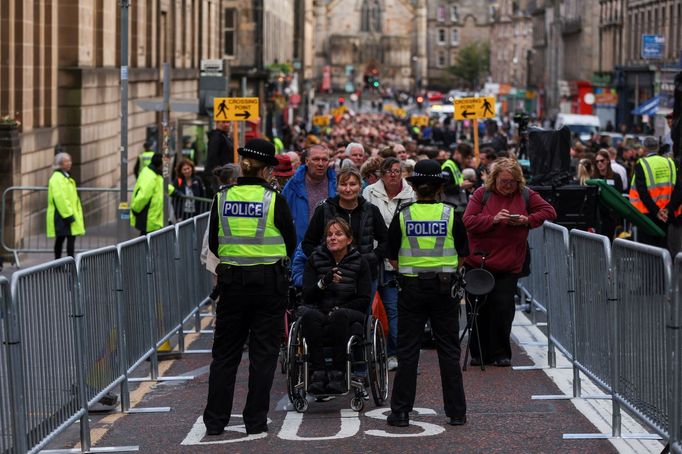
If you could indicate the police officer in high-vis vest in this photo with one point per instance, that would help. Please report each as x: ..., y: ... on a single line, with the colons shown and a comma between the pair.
x: 252, y: 233
x: 651, y: 188
x: 425, y: 240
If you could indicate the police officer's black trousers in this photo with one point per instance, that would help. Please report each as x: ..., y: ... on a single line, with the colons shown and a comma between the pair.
x: 256, y: 311
x: 418, y: 301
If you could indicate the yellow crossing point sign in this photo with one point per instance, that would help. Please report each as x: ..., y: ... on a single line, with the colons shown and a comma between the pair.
x: 474, y: 108
x: 235, y: 109
x: 419, y: 120
x: 400, y: 113
x: 321, y: 120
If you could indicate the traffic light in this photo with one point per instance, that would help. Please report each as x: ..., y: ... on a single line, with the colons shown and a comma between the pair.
x: 420, y: 100
x: 341, y: 100
x: 375, y: 82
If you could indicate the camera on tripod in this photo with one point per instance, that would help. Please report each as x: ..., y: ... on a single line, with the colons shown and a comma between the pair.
x: 522, y: 119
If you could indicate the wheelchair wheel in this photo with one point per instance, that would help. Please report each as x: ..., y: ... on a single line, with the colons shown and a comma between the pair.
x: 357, y: 403
x: 296, y: 367
x: 377, y: 361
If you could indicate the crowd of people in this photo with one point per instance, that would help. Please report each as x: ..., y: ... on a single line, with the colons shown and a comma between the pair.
x: 366, y: 209
x: 364, y: 212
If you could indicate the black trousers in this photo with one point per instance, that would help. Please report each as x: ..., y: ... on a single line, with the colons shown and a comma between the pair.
x: 318, y: 326
x: 59, y: 245
x: 418, y: 301
x: 250, y: 306
x: 645, y: 238
x: 495, y: 317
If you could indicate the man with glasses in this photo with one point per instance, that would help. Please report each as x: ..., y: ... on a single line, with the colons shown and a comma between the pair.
x: 312, y: 183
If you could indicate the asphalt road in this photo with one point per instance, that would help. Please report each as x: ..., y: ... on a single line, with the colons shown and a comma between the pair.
x: 502, y: 418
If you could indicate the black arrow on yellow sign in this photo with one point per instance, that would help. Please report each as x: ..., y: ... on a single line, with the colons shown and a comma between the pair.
x: 246, y: 115
x: 466, y: 113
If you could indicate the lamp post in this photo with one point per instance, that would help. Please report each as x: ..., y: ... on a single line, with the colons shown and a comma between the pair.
x: 415, y: 66
x: 123, y: 210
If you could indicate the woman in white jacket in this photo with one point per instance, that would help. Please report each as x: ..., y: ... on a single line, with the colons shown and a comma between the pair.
x: 389, y: 194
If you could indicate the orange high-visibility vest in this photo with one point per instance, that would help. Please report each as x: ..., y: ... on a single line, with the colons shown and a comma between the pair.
x: 660, y: 176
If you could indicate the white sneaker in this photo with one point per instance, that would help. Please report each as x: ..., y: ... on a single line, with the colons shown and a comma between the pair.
x: 392, y: 363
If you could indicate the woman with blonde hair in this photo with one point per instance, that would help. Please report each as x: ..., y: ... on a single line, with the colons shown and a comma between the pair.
x: 498, y: 219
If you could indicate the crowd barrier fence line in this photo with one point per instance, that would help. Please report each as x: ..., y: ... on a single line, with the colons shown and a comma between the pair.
x: 611, y: 314
x: 675, y: 360
x: 72, y: 331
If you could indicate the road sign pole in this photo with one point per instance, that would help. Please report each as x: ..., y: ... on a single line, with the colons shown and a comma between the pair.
x: 123, y: 210
x: 235, y: 140
x: 475, y: 141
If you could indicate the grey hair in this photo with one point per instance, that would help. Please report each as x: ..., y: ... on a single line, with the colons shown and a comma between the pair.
x: 59, y: 158
x: 352, y: 145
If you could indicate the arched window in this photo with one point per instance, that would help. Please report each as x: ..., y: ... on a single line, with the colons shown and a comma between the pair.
x: 370, y: 16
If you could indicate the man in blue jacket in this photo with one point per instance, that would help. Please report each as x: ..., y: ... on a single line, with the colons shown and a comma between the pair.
x: 312, y: 183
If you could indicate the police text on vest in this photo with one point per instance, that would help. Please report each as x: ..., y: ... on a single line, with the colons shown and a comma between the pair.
x: 243, y: 209
x: 426, y: 228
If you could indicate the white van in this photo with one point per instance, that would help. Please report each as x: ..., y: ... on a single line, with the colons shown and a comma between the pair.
x: 584, y: 126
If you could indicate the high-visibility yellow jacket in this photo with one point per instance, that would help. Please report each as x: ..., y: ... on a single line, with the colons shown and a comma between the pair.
x: 146, y: 208
x: 64, y: 210
x: 660, y: 176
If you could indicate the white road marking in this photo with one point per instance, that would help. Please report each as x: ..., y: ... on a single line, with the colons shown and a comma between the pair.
x: 198, y: 432
x: 350, y: 425
x: 429, y: 429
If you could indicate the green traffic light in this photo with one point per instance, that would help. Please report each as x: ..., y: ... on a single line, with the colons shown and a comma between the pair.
x: 375, y: 83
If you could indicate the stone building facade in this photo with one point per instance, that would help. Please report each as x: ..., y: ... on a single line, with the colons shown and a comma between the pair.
x: 451, y: 25
x: 60, y: 74
x: 512, y: 38
x: 382, y: 38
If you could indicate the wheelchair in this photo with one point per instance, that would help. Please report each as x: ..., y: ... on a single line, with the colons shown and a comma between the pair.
x: 366, y: 346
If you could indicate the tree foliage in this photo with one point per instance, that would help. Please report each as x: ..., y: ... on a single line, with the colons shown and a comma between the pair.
x: 472, y: 63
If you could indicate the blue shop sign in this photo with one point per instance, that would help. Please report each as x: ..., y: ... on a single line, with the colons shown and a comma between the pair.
x: 653, y: 46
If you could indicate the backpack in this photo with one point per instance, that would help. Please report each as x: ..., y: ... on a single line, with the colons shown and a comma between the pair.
x: 525, y: 270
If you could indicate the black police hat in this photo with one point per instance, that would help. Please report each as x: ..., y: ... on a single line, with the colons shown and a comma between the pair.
x: 426, y: 171
x: 260, y: 150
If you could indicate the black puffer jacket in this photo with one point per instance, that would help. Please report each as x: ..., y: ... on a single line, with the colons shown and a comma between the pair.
x: 365, y: 221
x: 354, y: 290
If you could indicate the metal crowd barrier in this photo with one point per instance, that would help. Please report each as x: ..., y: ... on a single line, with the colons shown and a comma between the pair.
x: 10, y: 404
x: 29, y: 205
x: 643, y: 286
x: 676, y: 361
x: 186, y: 207
x: 163, y: 252
x: 593, y: 308
x: 99, y: 284
x: 560, y: 316
x: 533, y: 287
x: 200, y: 227
x: 72, y: 331
x: 137, y: 292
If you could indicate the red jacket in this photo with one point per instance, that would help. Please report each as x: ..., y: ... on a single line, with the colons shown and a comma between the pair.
x: 505, y: 244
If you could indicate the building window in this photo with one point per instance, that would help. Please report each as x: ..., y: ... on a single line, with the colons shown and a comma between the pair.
x: 370, y: 16
x: 441, y: 59
x: 454, y: 37
x: 454, y: 14
x: 441, y: 36
x: 230, y: 32
x: 440, y: 13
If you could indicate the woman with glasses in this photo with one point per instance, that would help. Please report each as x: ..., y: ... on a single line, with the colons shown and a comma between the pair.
x: 388, y: 195
x: 608, y: 219
x: 498, y: 218
x: 604, y: 171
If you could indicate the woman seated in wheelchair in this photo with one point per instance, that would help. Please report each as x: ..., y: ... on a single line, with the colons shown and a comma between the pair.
x: 336, y: 291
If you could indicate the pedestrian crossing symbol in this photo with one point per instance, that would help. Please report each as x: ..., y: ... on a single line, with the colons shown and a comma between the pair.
x: 474, y: 108
x: 235, y: 109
